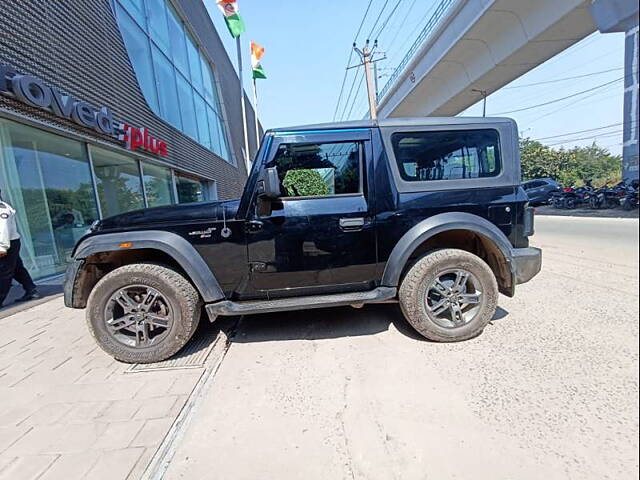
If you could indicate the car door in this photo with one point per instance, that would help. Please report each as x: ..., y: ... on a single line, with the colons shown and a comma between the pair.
x: 319, y: 236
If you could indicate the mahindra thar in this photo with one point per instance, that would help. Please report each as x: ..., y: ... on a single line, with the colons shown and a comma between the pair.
x: 428, y: 212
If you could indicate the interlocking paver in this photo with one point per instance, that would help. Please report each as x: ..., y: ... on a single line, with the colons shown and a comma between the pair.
x: 73, y: 466
x: 52, y: 439
x: 28, y: 467
x: 119, y: 435
x: 152, y: 432
x: 67, y: 409
x: 47, y: 414
x: 10, y: 435
x: 156, y: 407
x: 115, y: 464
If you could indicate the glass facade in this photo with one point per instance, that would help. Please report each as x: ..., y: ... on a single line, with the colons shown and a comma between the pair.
x: 47, y: 179
x: 175, y: 77
x: 59, y: 187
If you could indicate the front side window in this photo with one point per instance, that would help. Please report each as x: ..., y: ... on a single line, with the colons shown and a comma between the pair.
x: 447, y: 155
x: 174, y: 75
x: 318, y: 169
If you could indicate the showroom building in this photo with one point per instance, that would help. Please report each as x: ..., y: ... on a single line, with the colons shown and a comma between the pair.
x: 108, y: 106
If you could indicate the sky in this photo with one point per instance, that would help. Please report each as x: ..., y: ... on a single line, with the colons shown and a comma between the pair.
x: 308, y: 44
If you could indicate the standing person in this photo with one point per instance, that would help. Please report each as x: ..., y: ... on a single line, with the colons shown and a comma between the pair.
x: 10, y: 262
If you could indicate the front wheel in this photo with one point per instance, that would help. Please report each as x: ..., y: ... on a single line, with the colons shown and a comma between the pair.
x: 449, y: 295
x: 143, y: 313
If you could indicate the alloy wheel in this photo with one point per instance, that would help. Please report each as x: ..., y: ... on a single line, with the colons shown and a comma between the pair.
x: 454, y: 298
x: 138, y: 316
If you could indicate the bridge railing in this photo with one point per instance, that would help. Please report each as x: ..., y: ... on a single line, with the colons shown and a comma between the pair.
x: 433, y: 22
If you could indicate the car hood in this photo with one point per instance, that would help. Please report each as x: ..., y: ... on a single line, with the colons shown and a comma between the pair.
x: 170, y: 214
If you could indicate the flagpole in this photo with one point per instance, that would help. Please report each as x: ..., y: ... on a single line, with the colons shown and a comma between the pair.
x: 255, y: 111
x: 244, y: 108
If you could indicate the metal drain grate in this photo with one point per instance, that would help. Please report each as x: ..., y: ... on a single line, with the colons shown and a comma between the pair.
x: 193, y: 355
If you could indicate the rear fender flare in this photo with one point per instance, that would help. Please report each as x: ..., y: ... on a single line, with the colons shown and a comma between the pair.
x: 173, y: 245
x: 431, y: 226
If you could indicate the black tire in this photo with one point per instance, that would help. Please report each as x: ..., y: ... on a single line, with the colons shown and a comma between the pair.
x: 424, y: 272
x: 183, y: 302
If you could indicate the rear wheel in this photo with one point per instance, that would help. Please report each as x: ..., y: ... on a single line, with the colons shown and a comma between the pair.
x: 449, y: 295
x: 143, y: 313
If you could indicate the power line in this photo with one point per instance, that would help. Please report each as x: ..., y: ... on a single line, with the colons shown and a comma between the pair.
x: 384, y: 25
x: 403, y: 22
x: 378, y: 19
x: 355, y: 97
x: 563, y: 79
x: 353, y: 84
x: 570, y: 105
x: 346, y: 72
x: 560, y: 99
x: 579, y: 131
x: 571, y: 140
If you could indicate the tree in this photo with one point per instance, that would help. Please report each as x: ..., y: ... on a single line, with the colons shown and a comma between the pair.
x: 569, y: 167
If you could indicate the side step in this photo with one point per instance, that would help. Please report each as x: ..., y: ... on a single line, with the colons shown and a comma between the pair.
x: 227, y: 307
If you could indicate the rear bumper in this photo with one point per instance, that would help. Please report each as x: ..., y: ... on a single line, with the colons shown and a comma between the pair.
x: 527, y: 263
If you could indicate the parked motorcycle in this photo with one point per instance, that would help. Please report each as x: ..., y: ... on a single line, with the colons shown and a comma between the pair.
x: 571, y: 197
x: 630, y: 200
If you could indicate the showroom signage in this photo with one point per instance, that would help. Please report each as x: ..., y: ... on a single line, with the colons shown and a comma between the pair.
x: 33, y: 91
x: 141, y: 139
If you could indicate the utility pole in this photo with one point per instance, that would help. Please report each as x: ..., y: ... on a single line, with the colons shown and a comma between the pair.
x: 366, y: 56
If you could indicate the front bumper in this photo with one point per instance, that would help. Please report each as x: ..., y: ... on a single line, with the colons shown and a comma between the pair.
x: 70, y: 282
x: 527, y: 263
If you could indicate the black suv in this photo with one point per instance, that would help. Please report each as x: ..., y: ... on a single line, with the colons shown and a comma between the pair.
x: 428, y: 212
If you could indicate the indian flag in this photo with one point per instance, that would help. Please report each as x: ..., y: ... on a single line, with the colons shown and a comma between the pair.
x: 256, y: 54
x: 230, y: 10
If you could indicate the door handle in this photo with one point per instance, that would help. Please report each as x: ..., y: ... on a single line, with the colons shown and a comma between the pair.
x: 352, y: 223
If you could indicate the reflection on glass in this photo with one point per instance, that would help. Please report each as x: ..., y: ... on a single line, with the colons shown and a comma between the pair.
x: 157, y: 16
x: 157, y: 184
x: 318, y: 169
x: 47, y: 179
x: 203, y: 122
x: 178, y: 43
x: 166, y: 80
x: 185, y: 94
x: 189, y: 190
x: 174, y: 75
x: 137, y: 45
x: 118, y: 182
x: 448, y: 155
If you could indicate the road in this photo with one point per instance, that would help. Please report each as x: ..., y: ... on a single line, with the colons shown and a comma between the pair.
x: 549, y: 390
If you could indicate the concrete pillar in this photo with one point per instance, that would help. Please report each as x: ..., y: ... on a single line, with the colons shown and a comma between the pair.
x: 630, y: 126
x: 622, y: 16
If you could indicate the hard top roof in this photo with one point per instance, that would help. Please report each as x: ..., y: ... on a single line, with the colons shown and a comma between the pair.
x: 397, y: 122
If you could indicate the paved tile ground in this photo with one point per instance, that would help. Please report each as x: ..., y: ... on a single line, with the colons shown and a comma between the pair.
x: 68, y: 410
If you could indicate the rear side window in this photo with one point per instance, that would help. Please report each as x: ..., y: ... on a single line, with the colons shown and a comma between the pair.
x: 447, y: 155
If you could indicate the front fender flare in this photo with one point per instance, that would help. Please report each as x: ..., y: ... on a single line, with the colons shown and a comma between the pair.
x: 173, y: 245
x: 431, y: 226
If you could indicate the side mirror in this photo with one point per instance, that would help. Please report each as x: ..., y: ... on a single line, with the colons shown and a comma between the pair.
x: 269, y: 183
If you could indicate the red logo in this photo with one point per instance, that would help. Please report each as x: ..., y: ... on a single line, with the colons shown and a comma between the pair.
x: 141, y: 139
